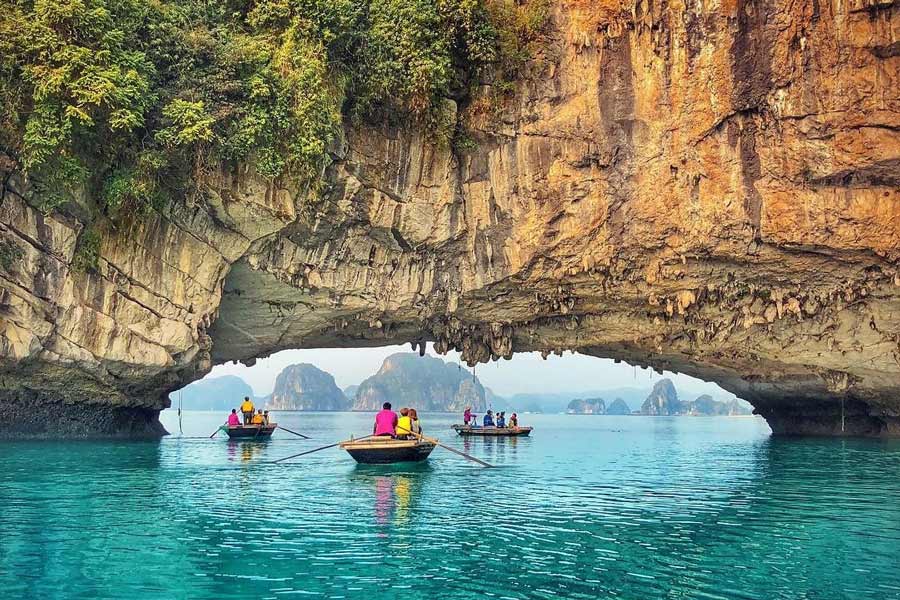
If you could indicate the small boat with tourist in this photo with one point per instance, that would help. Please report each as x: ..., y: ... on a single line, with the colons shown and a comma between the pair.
x: 385, y: 450
x: 489, y: 431
x: 394, y: 439
x: 261, y: 431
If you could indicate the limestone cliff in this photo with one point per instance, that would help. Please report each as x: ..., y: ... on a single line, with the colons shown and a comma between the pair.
x: 588, y: 406
x: 709, y: 188
x: 706, y: 405
x: 663, y: 400
x: 618, y: 407
x: 306, y: 387
x: 421, y: 382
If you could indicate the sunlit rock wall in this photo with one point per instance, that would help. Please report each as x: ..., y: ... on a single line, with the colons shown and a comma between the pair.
x: 705, y: 187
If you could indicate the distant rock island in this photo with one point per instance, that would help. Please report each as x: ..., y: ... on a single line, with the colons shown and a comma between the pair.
x: 618, y: 407
x: 306, y: 387
x: 588, y: 406
x: 662, y: 401
x: 218, y: 393
x: 430, y: 384
x: 423, y: 382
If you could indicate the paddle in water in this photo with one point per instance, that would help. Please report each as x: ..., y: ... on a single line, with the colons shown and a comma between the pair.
x: 305, y: 437
x: 463, y: 454
x: 318, y: 449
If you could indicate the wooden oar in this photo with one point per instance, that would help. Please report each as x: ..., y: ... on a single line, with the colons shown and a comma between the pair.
x: 463, y: 454
x: 317, y: 449
x: 216, y: 431
x: 305, y: 437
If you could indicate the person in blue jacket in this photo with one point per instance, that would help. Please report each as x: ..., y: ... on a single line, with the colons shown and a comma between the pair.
x: 501, y: 419
x: 488, y: 419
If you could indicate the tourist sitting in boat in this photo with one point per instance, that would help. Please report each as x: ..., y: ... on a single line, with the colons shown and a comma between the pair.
x: 266, y: 417
x: 488, y: 419
x: 404, y: 425
x: 233, y: 419
x: 414, y: 417
x: 467, y: 415
x: 501, y: 420
x: 385, y: 421
x: 258, y: 418
x: 514, y: 420
x: 247, y: 410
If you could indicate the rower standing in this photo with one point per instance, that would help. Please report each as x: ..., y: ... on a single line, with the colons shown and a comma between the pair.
x: 247, y: 410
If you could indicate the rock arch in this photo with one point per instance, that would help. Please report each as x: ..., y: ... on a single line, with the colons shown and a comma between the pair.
x: 652, y: 198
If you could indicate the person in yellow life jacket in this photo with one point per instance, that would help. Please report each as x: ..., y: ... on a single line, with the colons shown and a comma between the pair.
x: 404, y: 424
x: 247, y: 410
x: 258, y: 418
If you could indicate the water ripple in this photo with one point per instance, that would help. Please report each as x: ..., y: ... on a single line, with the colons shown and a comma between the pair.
x: 589, y: 507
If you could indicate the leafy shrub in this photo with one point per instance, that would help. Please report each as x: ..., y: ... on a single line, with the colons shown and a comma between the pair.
x: 10, y: 255
x: 86, y: 258
x: 132, y: 98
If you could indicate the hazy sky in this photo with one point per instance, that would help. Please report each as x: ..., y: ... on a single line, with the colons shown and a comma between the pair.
x: 526, y: 372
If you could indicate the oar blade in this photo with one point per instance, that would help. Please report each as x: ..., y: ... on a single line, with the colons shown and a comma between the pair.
x: 463, y: 454
x: 315, y: 450
x: 305, y: 437
x: 468, y: 456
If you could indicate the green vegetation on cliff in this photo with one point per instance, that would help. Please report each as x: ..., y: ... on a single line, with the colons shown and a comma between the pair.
x: 136, y: 99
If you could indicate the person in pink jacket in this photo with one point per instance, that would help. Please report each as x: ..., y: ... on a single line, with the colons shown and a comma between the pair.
x: 386, y: 421
x: 233, y: 419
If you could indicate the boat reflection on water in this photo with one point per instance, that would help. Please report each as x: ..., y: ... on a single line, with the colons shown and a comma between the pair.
x: 396, y: 491
x: 243, y: 451
x: 493, y: 447
x: 393, y: 495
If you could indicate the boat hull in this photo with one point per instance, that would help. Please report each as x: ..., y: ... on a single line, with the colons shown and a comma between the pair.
x: 251, y: 432
x: 492, y: 431
x: 386, y: 451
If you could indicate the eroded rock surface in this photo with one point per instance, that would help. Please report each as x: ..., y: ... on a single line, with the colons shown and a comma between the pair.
x: 709, y: 188
x: 424, y: 383
x: 306, y: 387
x: 663, y: 400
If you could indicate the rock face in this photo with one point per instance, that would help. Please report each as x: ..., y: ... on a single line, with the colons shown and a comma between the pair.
x: 618, y: 407
x: 589, y: 406
x: 662, y: 401
x: 421, y: 382
x: 709, y: 188
x: 705, y: 405
x: 306, y: 387
x: 218, y: 393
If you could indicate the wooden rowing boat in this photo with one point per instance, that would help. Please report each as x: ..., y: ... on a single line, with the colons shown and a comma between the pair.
x: 251, y: 432
x: 492, y: 431
x: 384, y: 450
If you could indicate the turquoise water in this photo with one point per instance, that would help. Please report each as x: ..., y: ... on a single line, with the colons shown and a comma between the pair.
x: 589, y: 507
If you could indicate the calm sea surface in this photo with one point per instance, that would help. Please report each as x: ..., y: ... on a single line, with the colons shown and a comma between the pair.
x: 589, y: 507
